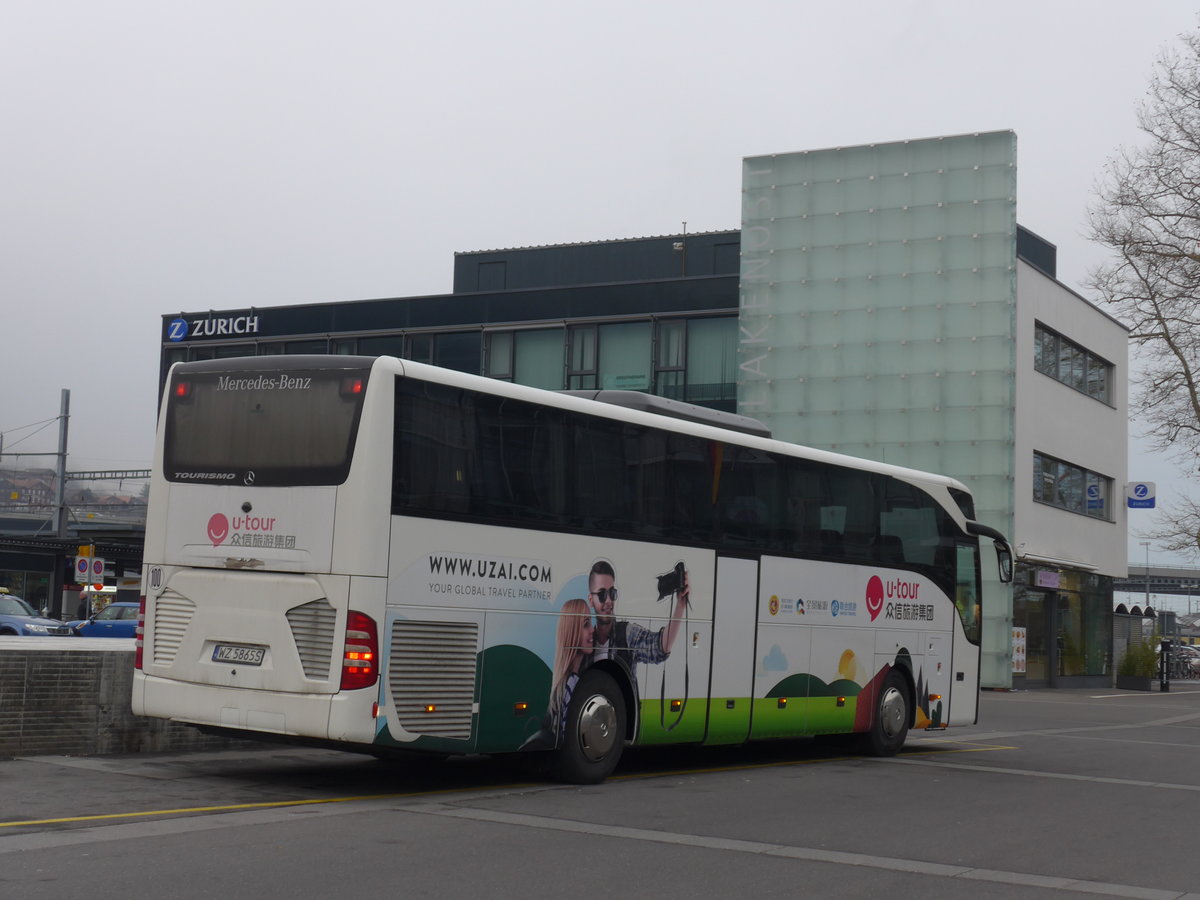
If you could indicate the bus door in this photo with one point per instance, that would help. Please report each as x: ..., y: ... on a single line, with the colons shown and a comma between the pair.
x: 937, y: 679
x: 731, y: 686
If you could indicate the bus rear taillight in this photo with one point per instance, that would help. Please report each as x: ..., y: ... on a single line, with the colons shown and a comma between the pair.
x: 140, y: 633
x: 361, y: 654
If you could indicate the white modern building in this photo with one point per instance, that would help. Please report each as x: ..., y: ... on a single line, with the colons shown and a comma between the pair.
x: 891, y: 308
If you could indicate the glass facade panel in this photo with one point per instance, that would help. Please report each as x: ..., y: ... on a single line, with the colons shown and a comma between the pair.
x: 538, y: 358
x: 233, y: 351
x: 499, y: 355
x: 581, y: 361
x: 1068, y: 630
x: 624, y: 363
x: 670, y: 350
x: 878, y: 294
x: 420, y: 348
x: 460, y: 351
x: 712, y: 362
x: 320, y: 346
x: 671, y: 344
x: 385, y: 345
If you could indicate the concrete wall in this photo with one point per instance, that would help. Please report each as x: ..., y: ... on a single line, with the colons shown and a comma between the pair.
x: 60, y: 697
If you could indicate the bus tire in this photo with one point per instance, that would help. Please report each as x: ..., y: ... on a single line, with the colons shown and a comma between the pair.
x: 595, y: 733
x: 889, y: 726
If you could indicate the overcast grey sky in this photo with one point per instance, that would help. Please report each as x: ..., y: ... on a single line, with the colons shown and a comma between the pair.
x: 180, y: 156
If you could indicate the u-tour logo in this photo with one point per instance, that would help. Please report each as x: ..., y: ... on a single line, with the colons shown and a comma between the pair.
x: 179, y: 329
x: 875, y: 596
x: 901, y: 597
x: 218, y: 529
x: 248, y: 531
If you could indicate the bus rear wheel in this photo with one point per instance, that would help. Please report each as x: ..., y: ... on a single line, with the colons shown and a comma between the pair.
x: 595, y: 732
x: 892, y: 714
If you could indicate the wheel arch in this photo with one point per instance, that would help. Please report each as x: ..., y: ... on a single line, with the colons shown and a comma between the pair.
x: 904, y: 665
x: 624, y: 682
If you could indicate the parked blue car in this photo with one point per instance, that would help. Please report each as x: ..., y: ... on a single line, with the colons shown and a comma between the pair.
x: 18, y: 617
x: 118, y: 619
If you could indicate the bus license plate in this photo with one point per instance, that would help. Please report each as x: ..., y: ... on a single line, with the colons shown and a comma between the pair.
x: 245, y: 656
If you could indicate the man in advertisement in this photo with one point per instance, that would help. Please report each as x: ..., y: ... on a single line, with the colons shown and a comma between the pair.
x: 627, y: 641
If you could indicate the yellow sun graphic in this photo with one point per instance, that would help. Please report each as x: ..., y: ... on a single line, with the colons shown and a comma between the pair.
x: 848, y: 666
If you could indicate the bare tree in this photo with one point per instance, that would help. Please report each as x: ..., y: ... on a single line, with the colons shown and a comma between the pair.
x: 1147, y: 213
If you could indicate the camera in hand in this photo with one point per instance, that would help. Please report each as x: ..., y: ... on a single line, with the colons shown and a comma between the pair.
x: 671, y: 582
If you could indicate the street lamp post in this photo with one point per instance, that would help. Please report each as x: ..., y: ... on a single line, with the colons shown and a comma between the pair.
x: 1146, y: 544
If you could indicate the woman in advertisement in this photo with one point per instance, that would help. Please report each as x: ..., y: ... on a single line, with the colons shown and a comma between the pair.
x: 573, y: 650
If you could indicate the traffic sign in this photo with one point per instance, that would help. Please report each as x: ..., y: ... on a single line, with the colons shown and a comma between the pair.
x: 89, y: 569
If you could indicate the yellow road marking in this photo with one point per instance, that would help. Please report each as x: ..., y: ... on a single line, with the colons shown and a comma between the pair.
x: 269, y: 804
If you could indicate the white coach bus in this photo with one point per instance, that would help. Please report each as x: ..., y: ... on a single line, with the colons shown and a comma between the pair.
x: 384, y: 556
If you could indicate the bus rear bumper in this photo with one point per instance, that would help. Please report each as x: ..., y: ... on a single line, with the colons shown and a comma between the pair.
x: 346, y: 716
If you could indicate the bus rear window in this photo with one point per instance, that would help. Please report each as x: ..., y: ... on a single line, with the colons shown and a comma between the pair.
x: 262, y: 427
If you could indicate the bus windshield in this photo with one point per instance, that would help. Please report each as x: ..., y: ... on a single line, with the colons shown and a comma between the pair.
x: 275, y: 428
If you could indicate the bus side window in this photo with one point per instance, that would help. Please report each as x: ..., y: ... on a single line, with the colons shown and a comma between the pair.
x: 854, y: 494
x: 433, y: 447
x: 748, y: 488
x: 597, y: 500
x: 891, y: 550
x: 692, y: 478
x: 801, y: 519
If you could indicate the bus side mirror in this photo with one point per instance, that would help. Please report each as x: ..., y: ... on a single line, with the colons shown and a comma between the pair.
x: 1005, y: 560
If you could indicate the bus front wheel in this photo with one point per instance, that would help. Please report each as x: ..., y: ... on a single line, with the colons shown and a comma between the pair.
x: 595, y: 732
x: 892, y: 714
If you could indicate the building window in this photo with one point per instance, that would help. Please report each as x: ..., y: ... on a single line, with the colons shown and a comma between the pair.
x: 382, y: 345
x: 498, y: 355
x: 581, y: 358
x: 460, y: 351
x: 318, y: 346
x: 712, y: 362
x: 1066, y: 361
x: 1070, y: 487
x: 538, y: 358
x: 624, y: 357
x: 670, y: 357
x: 234, y: 351
x: 420, y: 348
